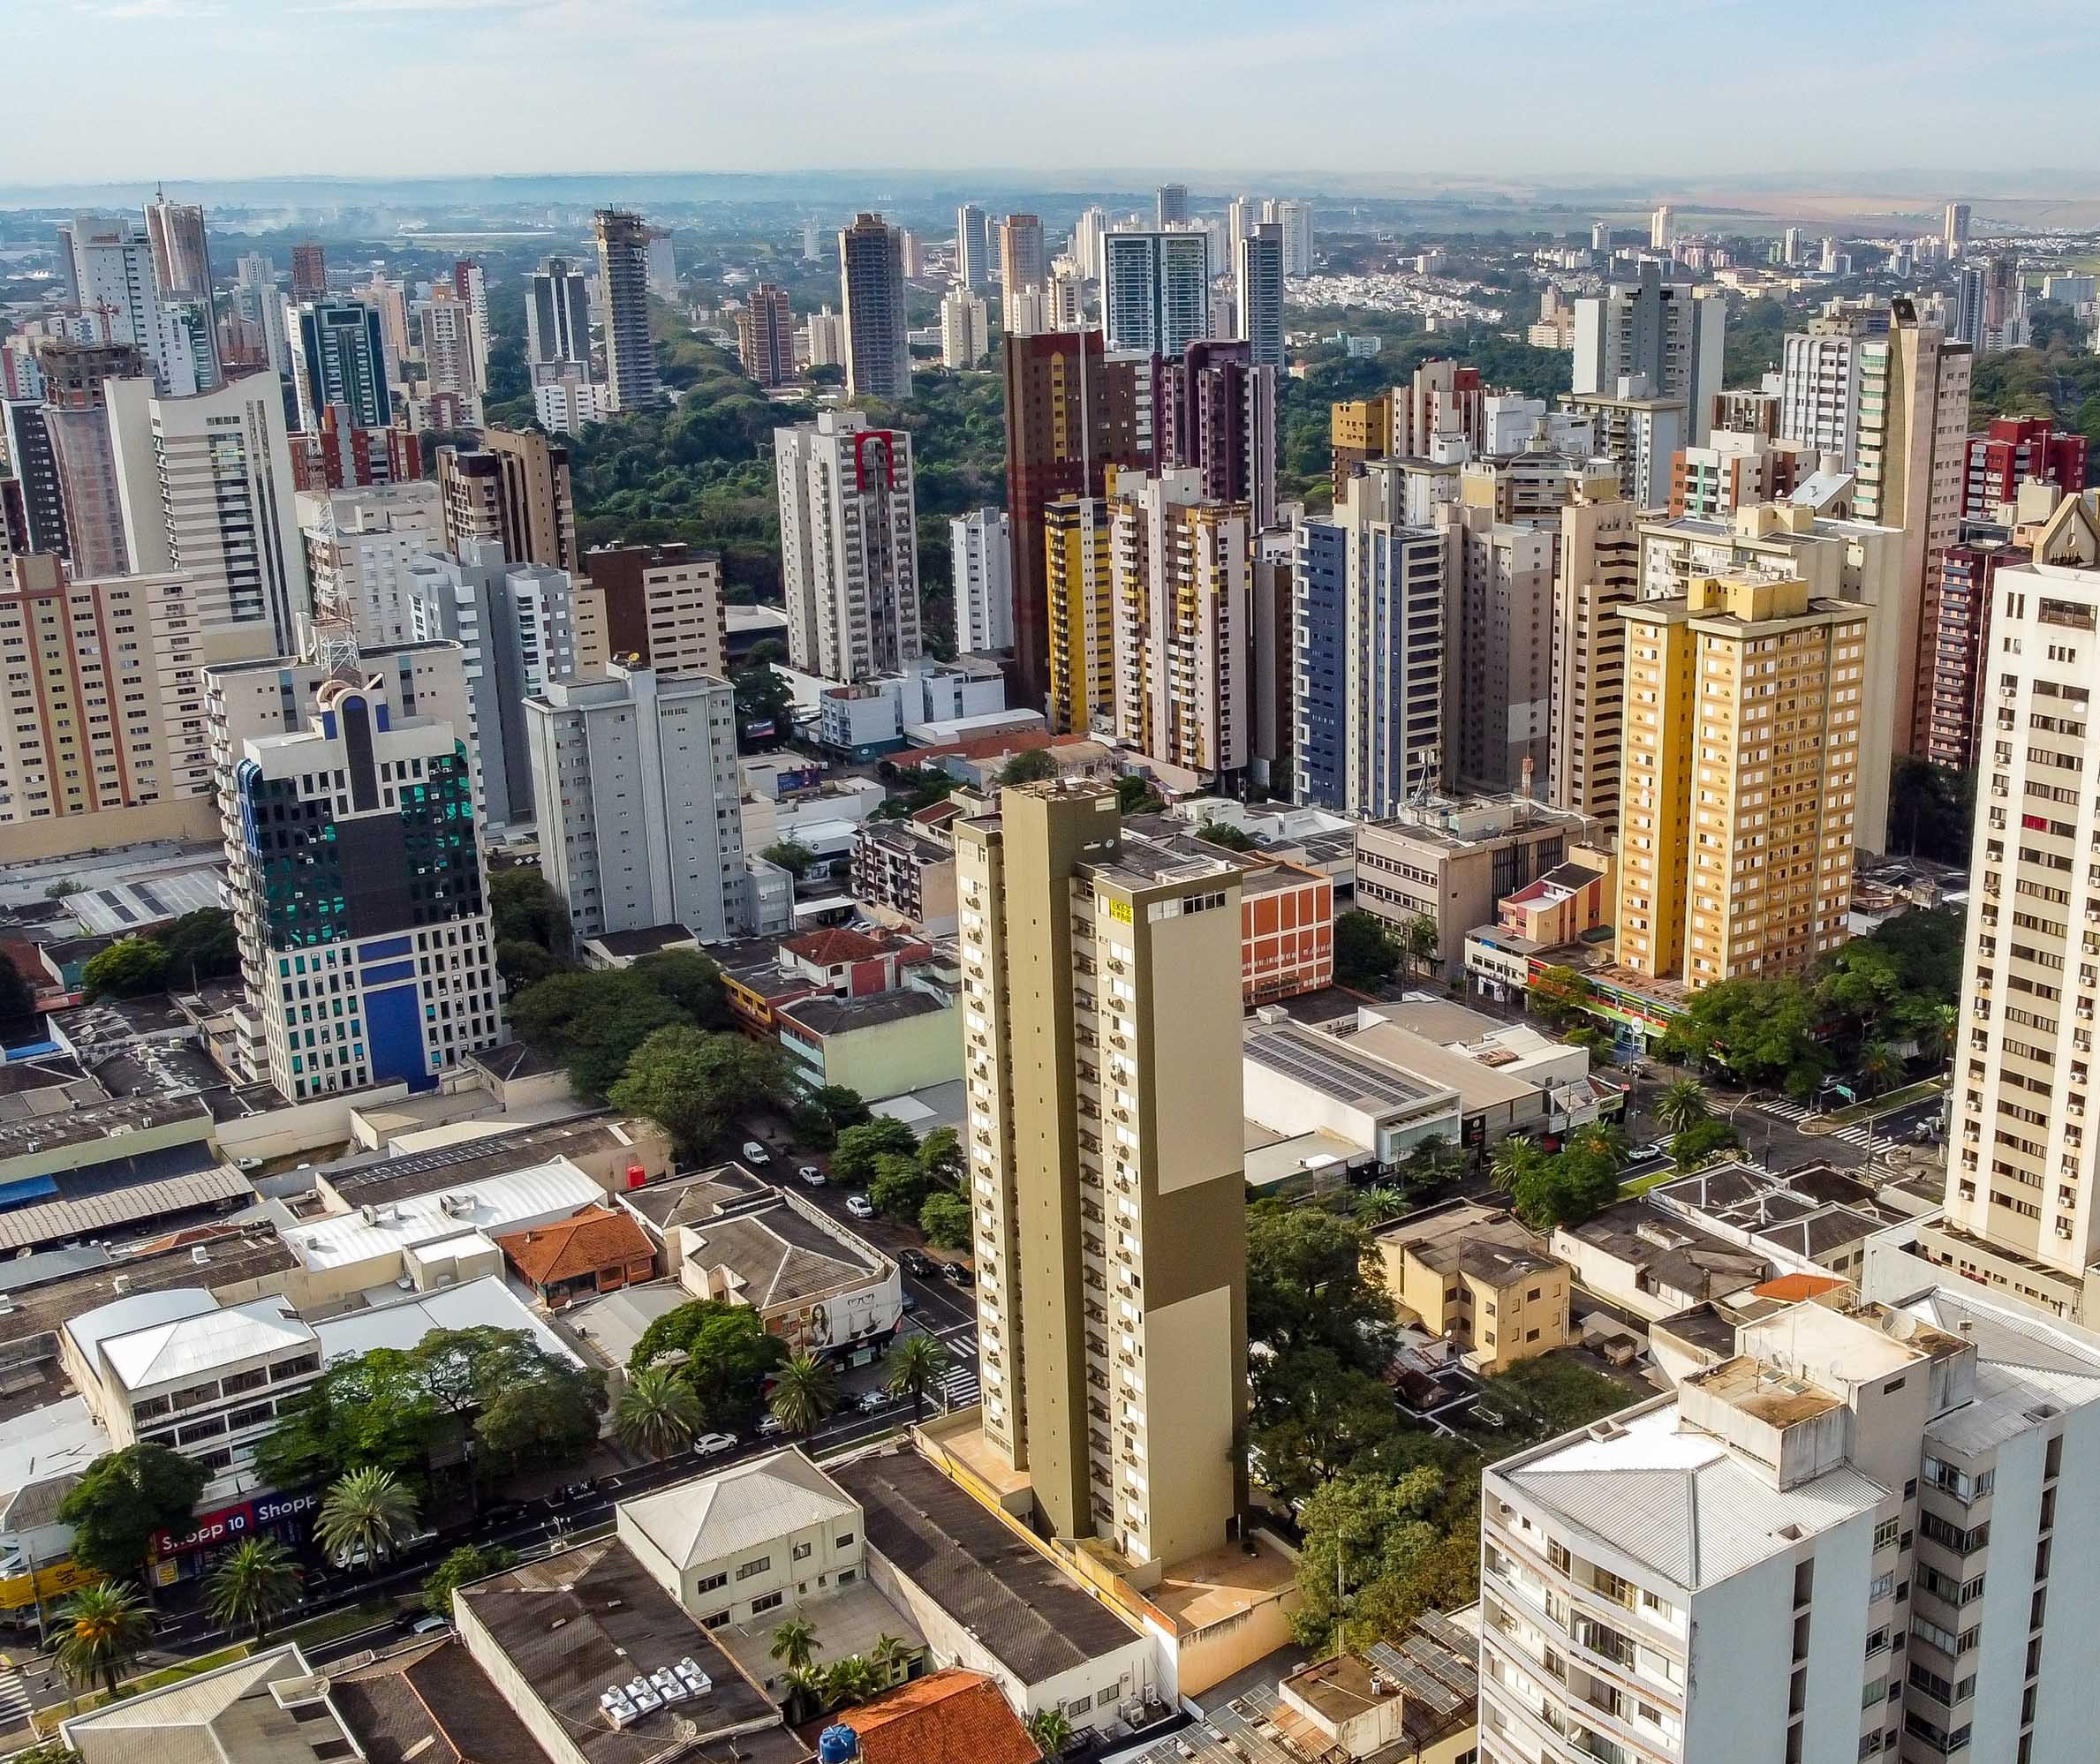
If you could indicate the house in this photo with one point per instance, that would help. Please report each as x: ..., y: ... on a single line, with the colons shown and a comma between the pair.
x: 1413, y: 1704
x: 1477, y: 1278
x: 950, y: 1718
x: 597, y: 1250
x: 1653, y: 1262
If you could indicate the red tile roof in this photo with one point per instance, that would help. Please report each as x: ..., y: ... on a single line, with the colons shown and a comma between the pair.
x: 573, y: 1248
x: 987, y: 747
x: 951, y: 1717
x: 1795, y: 1287
x: 829, y: 948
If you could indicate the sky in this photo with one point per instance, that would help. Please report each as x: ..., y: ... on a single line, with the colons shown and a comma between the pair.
x: 1409, y: 90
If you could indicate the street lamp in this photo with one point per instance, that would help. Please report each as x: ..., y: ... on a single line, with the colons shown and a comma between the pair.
x: 1751, y: 1097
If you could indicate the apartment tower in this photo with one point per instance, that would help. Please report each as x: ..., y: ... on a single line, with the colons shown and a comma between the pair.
x: 557, y: 320
x: 765, y: 335
x: 624, y: 280
x: 1597, y: 576
x: 872, y: 293
x: 1101, y: 1010
x: 849, y: 546
x: 514, y: 492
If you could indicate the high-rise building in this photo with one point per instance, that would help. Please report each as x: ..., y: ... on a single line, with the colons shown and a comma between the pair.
x: 1438, y: 412
x: 1170, y: 206
x: 1090, y: 235
x: 1367, y: 688
x: 765, y: 335
x: 813, y: 242
x: 360, y: 544
x: 1070, y: 414
x: 663, y: 608
x: 36, y: 487
x: 981, y: 564
x: 388, y: 298
x: 1961, y: 661
x: 965, y: 329
x: 1497, y: 684
x: 1661, y: 229
x: 1359, y: 430
x: 2016, y: 450
x: 181, y: 252
x: 76, y: 422
x: 448, y: 366
x: 1819, y: 388
x: 569, y: 405
x: 1155, y: 291
x: 1786, y: 1559
x: 1182, y: 587
x: 849, y: 546
x: 1642, y: 436
x: 1654, y: 331
x: 1216, y: 411
x: 1597, y: 573
x: 108, y: 264
x: 105, y: 744
x: 1022, y: 260
x: 263, y: 305
x: 1101, y: 1003
x: 821, y: 342
x: 635, y: 793
x: 340, y: 455
x: 871, y: 301
x: 309, y: 272
x: 558, y: 320
x: 624, y: 282
x: 909, y: 254
x: 1079, y: 601
x: 1912, y: 459
x: 1735, y: 471
x: 513, y: 492
x: 347, y: 803
x: 339, y: 357
x: 973, y: 248
x: 1295, y: 216
x: 1954, y: 232
x: 1736, y: 814
x: 206, y: 488
x: 1258, y: 282
x: 470, y: 284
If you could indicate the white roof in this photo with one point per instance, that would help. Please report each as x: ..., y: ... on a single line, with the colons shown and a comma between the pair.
x: 491, y: 1205
x: 59, y: 1438
x: 739, y: 1508
x: 2023, y: 1364
x: 199, y: 1347
x: 135, y: 1311
x: 486, y: 1303
x: 1675, y: 1500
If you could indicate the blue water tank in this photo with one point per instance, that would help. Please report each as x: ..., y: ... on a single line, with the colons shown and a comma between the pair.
x: 837, y: 1744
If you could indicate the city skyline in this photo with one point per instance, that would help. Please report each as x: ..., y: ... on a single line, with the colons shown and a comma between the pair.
x: 964, y: 74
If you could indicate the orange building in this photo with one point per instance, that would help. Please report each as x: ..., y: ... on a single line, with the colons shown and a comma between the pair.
x: 1287, y: 932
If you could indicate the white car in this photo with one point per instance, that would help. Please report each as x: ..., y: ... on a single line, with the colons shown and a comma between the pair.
x: 755, y: 1153
x: 714, y: 1444
x: 810, y: 1174
x: 860, y: 1206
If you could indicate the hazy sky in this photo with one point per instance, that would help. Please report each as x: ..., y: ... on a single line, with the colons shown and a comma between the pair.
x: 1561, y: 89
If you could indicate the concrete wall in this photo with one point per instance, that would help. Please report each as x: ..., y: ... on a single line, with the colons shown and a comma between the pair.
x: 186, y: 818
x: 301, y: 1127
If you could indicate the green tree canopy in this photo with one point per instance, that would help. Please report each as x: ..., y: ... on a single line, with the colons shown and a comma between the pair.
x: 1309, y: 1284
x: 200, y: 945
x: 1365, y: 956
x: 469, y: 1562
x: 792, y: 856
x: 1032, y: 765
x: 690, y: 981
x: 1135, y: 795
x: 127, y: 969
x: 727, y: 1356
x: 124, y: 1498
x: 524, y: 964
x: 523, y: 907
x: 844, y: 1106
x: 763, y: 698
x: 944, y: 1218
x: 693, y: 1083
x: 590, y: 1023
x: 1224, y: 833
x: 856, y: 1157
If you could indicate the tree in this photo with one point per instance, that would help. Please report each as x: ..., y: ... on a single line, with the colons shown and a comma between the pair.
x: 1761, y: 1030
x: 124, y: 1498
x: 1433, y: 1162
x: 891, y: 1657
x: 1560, y: 995
x: 128, y: 967
x: 845, y: 1105
x: 523, y: 907
x: 1700, y: 1141
x: 1051, y: 1731
x: 1419, y: 940
x: 693, y: 1083
x: 1365, y: 957
x: 1880, y: 1066
x: 850, y: 1680
x: 1315, y: 1415
x: 254, y: 1583
x: 549, y: 1419
x: 524, y: 964
x: 1361, y: 1534
x: 373, y: 1410
x: 1309, y: 1284
x: 102, y: 1629
x: 469, y: 1562
x: 1936, y: 1032
x: 367, y: 1515
x: 806, y: 1692
x: 805, y: 1390
x: 940, y: 1155
x: 658, y: 1413
x: 691, y: 982
x: 794, y: 1643
x: 900, y: 1187
x: 200, y: 946
x: 792, y: 856
x: 944, y: 1218
x: 765, y: 706
x: 918, y: 1364
x: 1682, y: 1105
x: 722, y: 1351
x: 856, y: 1157
x: 1513, y: 1159
x: 1932, y: 810
x: 1031, y: 765
x: 1135, y: 795
x: 1224, y: 833
x: 17, y: 997
x: 590, y: 1024
x: 1380, y: 1206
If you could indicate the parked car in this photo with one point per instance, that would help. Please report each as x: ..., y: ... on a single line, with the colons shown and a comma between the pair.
x: 959, y: 1272
x: 433, y: 1624
x: 908, y: 1301
x: 1641, y: 1154
x: 871, y: 1400
x: 918, y: 1261
x: 714, y: 1444
x: 810, y: 1174
x: 860, y: 1206
x: 755, y: 1153
x: 771, y: 1427
x: 582, y: 1490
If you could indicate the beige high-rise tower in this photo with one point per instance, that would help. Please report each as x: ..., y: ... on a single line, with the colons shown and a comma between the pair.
x: 1599, y: 571
x: 1739, y: 778
x: 1101, y: 1013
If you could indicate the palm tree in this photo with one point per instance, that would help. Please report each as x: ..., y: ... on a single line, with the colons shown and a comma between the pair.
x: 1879, y: 1066
x: 1050, y: 1730
x: 805, y: 1390
x: 851, y: 1680
x: 891, y: 1657
x: 1607, y: 1140
x: 253, y: 1584
x: 919, y: 1364
x: 1936, y: 1034
x: 101, y: 1628
x: 806, y: 1687
x: 1381, y: 1206
x: 658, y: 1413
x: 1513, y: 1160
x: 794, y: 1643
x: 1682, y: 1105
x: 369, y: 1512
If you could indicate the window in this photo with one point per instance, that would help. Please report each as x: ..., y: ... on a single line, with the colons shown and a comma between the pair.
x: 758, y: 1564
x: 771, y: 1602
x: 802, y: 1552
x: 841, y: 1539
x: 708, y: 1583
x: 715, y: 1622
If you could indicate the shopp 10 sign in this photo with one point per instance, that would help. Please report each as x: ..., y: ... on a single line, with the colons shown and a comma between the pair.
x: 231, y: 1525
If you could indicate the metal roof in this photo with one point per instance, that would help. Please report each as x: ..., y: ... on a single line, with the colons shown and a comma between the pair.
x: 54, y: 1221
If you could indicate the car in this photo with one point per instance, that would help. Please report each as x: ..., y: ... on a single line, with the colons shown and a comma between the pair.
x: 908, y: 1301
x: 918, y: 1261
x: 772, y: 1427
x: 860, y: 1206
x: 755, y: 1153
x: 582, y: 1490
x: 959, y: 1272
x: 714, y: 1444
x: 812, y: 1174
x: 1641, y: 1154
x: 433, y: 1624
x: 873, y: 1400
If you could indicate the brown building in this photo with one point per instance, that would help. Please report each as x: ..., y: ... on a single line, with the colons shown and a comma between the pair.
x: 1070, y: 414
x: 514, y: 493
x: 663, y: 605
x: 309, y: 272
x: 765, y: 335
x: 77, y: 422
x: 599, y: 1250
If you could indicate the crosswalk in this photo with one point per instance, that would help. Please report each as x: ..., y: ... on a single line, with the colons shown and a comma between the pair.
x: 1785, y: 1111
x: 960, y: 1388
x: 14, y: 1700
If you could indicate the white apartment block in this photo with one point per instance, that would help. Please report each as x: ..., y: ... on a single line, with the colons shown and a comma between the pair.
x: 359, y: 545
x: 1155, y: 291
x: 965, y: 329
x: 635, y: 791
x: 1867, y: 1532
x: 570, y: 405
x: 981, y: 559
x: 849, y: 546
x: 1657, y: 331
x: 1819, y: 388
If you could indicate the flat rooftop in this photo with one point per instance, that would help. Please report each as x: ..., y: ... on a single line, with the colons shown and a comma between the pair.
x: 377, y: 1177
x: 1335, y: 1069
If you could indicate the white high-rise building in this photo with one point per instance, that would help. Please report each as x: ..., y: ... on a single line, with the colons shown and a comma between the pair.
x: 1662, y: 230
x: 262, y: 303
x: 1259, y: 293
x: 663, y: 264
x: 635, y: 792
x: 1819, y: 388
x: 1295, y: 216
x: 1155, y: 291
x: 1856, y: 1531
x: 965, y: 327
x: 206, y: 486
x: 108, y: 265
x: 973, y: 248
x: 359, y: 545
x: 981, y: 559
x: 1653, y: 331
x: 1088, y: 234
x: 849, y: 546
x: 448, y: 347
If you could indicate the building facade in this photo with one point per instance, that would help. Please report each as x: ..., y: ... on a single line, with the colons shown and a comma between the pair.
x: 872, y: 303
x: 513, y: 491
x: 1156, y: 291
x: 849, y: 546
x: 1597, y: 573
x: 1656, y: 332
x: 558, y: 320
x: 1259, y: 288
x: 2016, y: 450
x: 765, y: 335
x: 663, y: 608
x: 624, y: 282
x: 981, y: 565
x: 339, y: 357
